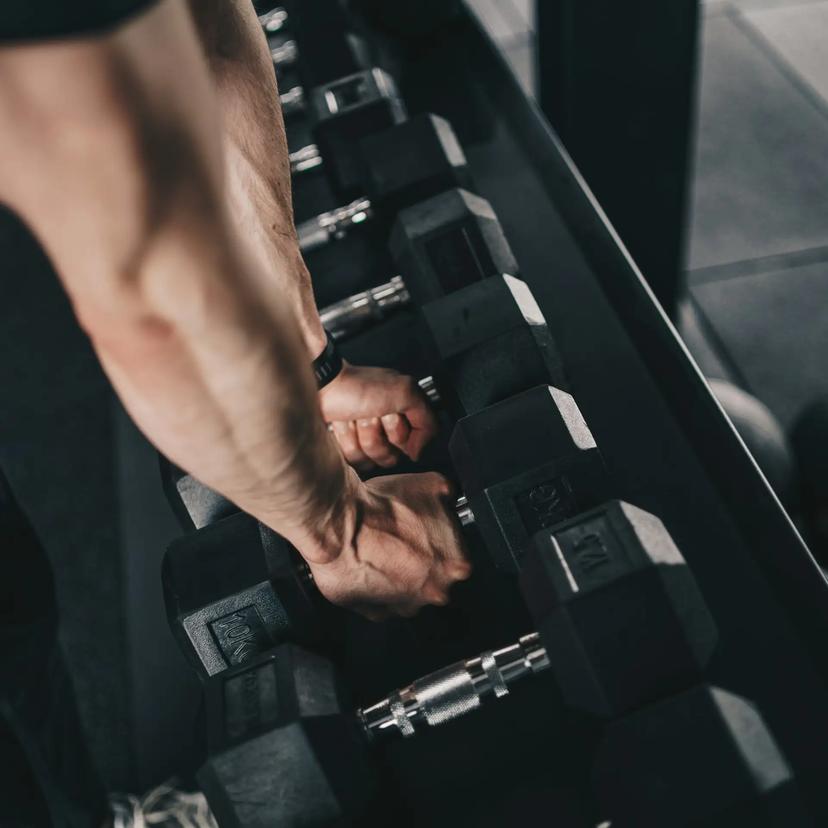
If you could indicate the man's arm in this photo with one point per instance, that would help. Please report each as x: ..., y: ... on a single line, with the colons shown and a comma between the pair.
x: 375, y: 413
x: 111, y: 154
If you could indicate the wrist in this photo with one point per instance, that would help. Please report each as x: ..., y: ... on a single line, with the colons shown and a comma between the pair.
x: 335, y: 525
x: 315, y: 336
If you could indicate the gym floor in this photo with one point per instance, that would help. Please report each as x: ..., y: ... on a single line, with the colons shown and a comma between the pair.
x: 757, y: 241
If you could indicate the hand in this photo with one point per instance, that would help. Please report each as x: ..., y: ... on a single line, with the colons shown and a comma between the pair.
x: 405, y: 549
x: 376, y: 414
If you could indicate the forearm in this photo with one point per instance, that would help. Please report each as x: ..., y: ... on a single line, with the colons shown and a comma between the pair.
x: 118, y: 170
x: 219, y: 380
x: 256, y: 150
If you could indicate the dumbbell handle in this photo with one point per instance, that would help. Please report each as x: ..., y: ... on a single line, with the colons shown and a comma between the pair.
x: 349, y: 315
x: 322, y: 229
x: 285, y: 54
x: 455, y: 690
x: 305, y: 159
x: 274, y: 20
x: 292, y: 101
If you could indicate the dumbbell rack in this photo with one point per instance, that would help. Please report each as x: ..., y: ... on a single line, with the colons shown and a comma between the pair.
x: 667, y: 443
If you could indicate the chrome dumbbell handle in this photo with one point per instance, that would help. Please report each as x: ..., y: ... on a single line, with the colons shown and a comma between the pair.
x: 305, y: 159
x: 455, y: 690
x: 322, y: 229
x: 293, y: 102
x: 349, y: 315
x: 285, y: 54
x: 274, y: 20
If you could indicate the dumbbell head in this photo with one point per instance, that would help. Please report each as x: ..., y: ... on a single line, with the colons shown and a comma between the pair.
x: 194, y: 504
x: 281, y: 749
x: 617, y: 608
x: 449, y: 241
x: 702, y: 758
x: 524, y: 464
x: 234, y: 589
x: 329, y: 47
x: 486, y: 342
x: 412, y: 161
x: 343, y: 112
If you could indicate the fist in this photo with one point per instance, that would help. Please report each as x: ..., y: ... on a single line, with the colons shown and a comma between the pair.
x: 377, y: 415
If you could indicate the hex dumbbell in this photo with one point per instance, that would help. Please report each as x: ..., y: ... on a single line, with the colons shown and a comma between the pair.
x: 438, y: 245
x: 637, y: 564
x: 342, y: 113
x: 526, y: 463
x: 704, y: 757
x: 395, y: 169
x: 482, y: 343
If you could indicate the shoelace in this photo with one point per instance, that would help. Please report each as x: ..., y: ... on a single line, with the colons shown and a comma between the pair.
x: 162, y: 806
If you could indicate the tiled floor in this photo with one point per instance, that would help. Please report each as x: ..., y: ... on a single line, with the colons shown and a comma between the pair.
x: 758, y: 234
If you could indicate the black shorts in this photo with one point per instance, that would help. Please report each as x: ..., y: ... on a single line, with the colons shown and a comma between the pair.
x: 33, y: 20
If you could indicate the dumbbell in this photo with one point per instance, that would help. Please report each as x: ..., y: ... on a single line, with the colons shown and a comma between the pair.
x: 615, y: 601
x: 437, y: 246
x: 212, y: 574
x: 482, y: 343
x: 704, y: 757
x: 395, y: 168
x: 285, y: 749
x: 440, y: 245
x: 342, y: 112
x: 638, y: 566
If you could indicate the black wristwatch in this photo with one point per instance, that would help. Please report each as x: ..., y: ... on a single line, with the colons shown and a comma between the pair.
x: 328, y: 364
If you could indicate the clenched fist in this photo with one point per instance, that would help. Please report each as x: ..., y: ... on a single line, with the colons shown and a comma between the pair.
x: 376, y: 415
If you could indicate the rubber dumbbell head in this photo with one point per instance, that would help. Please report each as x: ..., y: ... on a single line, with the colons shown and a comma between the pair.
x: 525, y: 464
x: 456, y: 241
x: 701, y: 758
x: 487, y: 342
x: 419, y: 159
x: 343, y: 112
x: 617, y: 606
x: 282, y: 750
x: 234, y: 589
x: 447, y: 242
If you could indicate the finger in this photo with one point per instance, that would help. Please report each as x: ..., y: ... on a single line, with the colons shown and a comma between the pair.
x: 460, y: 569
x: 374, y: 444
x: 423, y: 424
x: 346, y: 436
x: 397, y: 430
x: 436, y: 597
